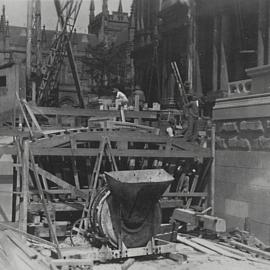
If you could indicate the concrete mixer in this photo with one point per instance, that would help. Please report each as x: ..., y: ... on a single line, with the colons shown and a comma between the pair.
x: 126, y: 215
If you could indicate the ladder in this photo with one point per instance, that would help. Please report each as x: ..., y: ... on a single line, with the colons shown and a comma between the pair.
x: 60, y: 47
x: 104, y: 150
x: 179, y: 82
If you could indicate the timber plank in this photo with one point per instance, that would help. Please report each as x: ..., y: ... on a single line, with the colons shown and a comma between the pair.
x: 59, y: 206
x: 60, y: 182
x: 123, y: 136
x: 56, y: 140
x: 184, y: 194
x: 196, y: 246
x: 38, y: 151
x: 92, y: 113
x: 253, y: 250
x: 219, y: 250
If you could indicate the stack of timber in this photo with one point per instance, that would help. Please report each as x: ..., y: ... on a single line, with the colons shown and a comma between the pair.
x: 16, y: 254
x: 231, y: 249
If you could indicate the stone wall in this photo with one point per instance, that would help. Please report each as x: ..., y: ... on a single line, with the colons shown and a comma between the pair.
x: 242, y: 193
x: 243, y: 123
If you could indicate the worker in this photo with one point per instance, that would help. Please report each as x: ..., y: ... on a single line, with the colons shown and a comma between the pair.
x: 192, y: 109
x: 172, y: 127
x: 121, y: 98
x: 139, y: 92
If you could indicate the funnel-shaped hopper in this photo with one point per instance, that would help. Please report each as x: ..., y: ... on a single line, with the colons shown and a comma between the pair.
x: 131, y: 211
x: 138, y: 185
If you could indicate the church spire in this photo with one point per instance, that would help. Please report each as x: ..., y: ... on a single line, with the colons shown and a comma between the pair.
x: 91, y: 15
x: 92, y: 6
x: 120, y: 8
x: 105, y: 9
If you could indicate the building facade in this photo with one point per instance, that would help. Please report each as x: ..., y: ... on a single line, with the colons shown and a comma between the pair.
x: 105, y: 25
x: 13, y: 50
x: 222, y: 49
x: 115, y: 30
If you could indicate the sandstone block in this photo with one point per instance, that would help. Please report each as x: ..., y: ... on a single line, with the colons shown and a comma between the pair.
x: 229, y: 127
x: 239, y: 143
x: 251, y: 126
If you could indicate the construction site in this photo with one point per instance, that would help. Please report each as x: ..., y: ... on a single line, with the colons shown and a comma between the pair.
x: 141, y: 143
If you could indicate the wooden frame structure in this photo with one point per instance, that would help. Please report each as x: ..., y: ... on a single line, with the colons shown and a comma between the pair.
x: 81, y: 145
x: 61, y: 162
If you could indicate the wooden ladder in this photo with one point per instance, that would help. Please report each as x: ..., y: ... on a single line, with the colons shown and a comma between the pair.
x: 105, y: 149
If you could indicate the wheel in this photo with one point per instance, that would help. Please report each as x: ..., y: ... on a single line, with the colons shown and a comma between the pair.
x: 135, y: 231
x: 78, y: 232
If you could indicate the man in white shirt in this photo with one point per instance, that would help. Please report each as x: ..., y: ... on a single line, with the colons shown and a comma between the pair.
x: 121, y: 98
x: 171, y: 129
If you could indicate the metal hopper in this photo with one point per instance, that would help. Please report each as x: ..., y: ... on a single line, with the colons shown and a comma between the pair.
x: 132, y: 210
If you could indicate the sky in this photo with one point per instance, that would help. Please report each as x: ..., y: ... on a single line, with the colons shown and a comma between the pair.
x: 16, y: 12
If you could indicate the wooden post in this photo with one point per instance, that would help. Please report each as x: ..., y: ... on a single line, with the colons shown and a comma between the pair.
x: 191, y: 44
x: 268, y: 29
x: 215, y: 55
x: 34, y: 92
x: 260, y: 48
x: 42, y: 197
x: 29, y: 42
x: 25, y: 187
x: 213, y: 172
x: 74, y: 163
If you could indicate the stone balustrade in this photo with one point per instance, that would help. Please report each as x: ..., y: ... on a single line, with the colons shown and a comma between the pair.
x: 239, y: 88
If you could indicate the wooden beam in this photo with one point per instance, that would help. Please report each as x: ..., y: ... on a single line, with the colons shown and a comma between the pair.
x: 172, y: 203
x: 261, y: 25
x: 37, y: 151
x: 60, y: 182
x: 30, y: 112
x: 213, y: 169
x: 50, y: 142
x: 15, y: 132
x: 179, y: 143
x: 26, y: 235
x: 132, y: 125
x: 8, y: 150
x: 42, y: 197
x: 75, y: 73
x: 59, y: 206
x: 250, y: 249
x: 183, y: 194
x: 25, y: 188
x: 92, y: 113
x: 196, y: 246
x: 74, y: 163
x: 120, y: 136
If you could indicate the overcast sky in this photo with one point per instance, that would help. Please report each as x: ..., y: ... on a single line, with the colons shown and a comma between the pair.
x: 16, y: 11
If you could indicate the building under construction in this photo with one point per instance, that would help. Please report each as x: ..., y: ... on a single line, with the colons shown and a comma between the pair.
x: 159, y: 178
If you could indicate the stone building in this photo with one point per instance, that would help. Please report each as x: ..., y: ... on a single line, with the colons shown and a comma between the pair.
x: 145, y: 53
x: 116, y: 30
x: 222, y: 49
x: 13, y: 49
x: 107, y: 26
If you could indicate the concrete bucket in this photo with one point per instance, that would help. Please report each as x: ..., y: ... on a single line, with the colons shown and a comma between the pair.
x: 128, y: 211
